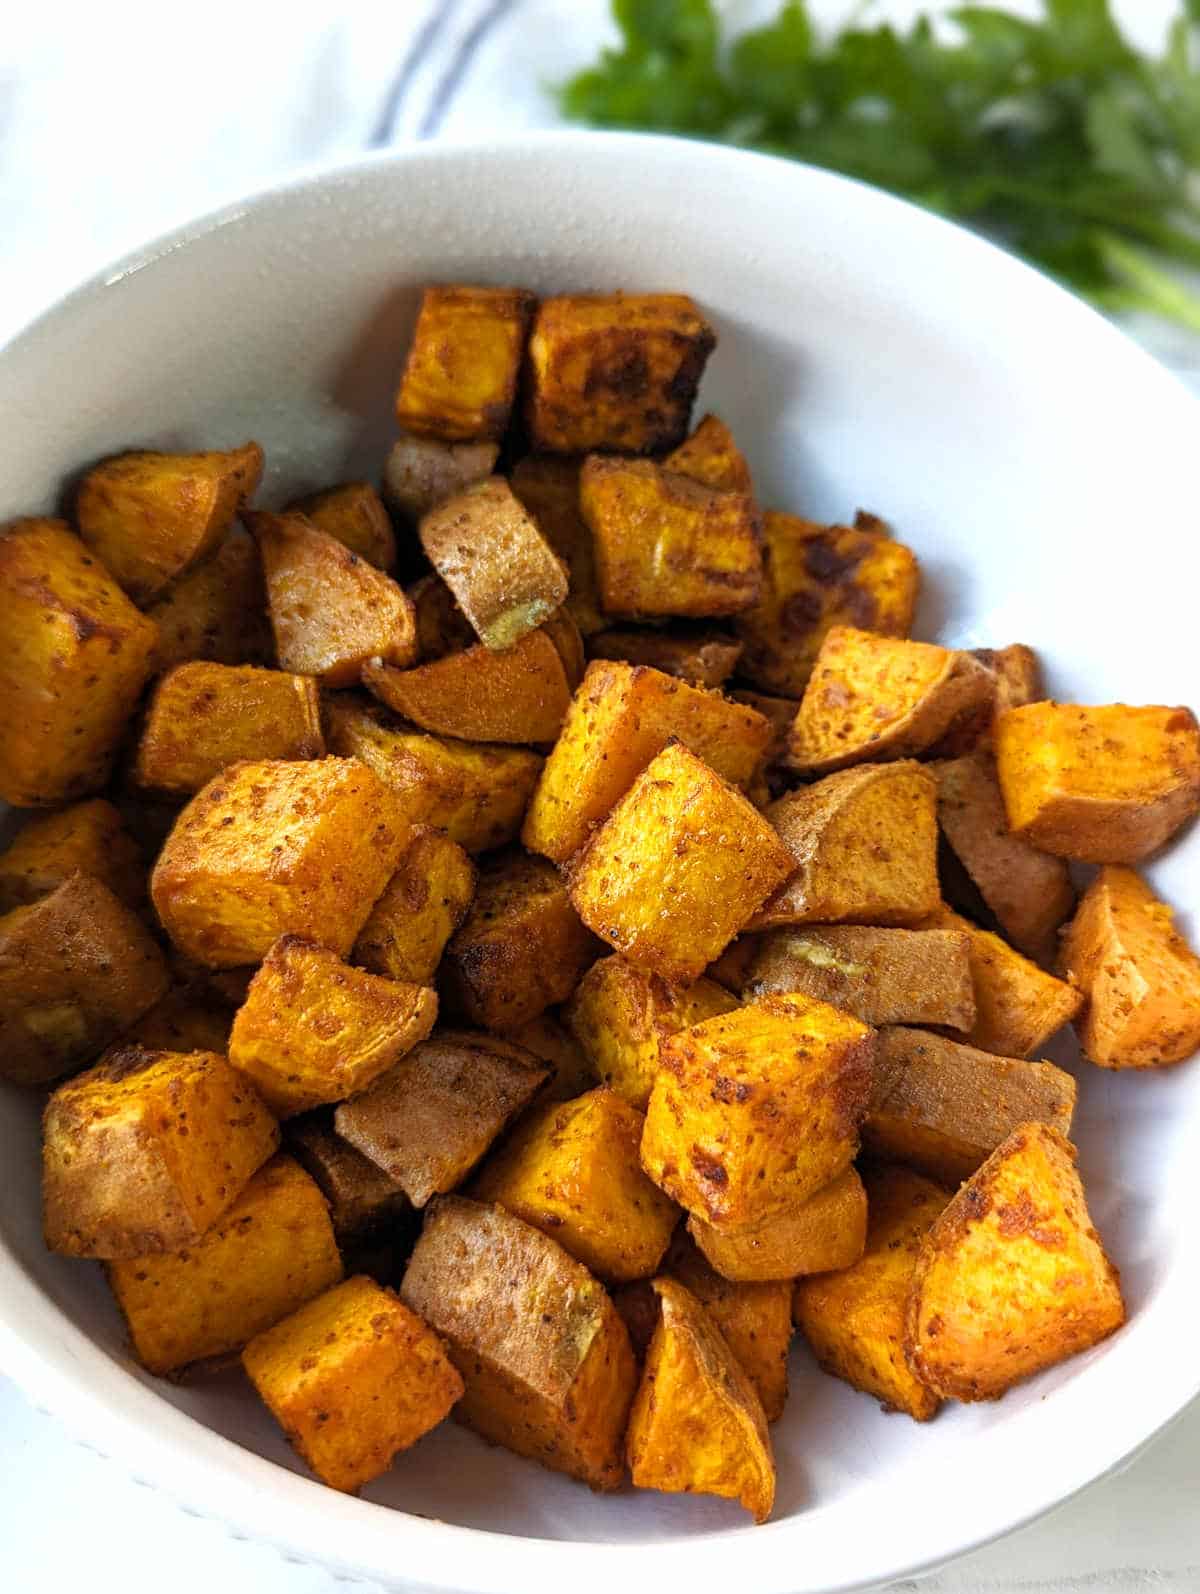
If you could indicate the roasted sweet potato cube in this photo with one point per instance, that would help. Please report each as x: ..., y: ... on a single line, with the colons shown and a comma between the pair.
x: 620, y: 1013
x: 620, y: 718
x: 364, y: 1204
x: 442, y: 627
x: 271, y: 1251
x: 881, y: 976
x: 864, y: 845
x: 1139, y: 978
x: 518, y: 695
x: 943, y: 1108
x: 779, y: 711
x: 277, y: 848
x: 822, y: 1234
x: 476, y: 793
x: 872, y: 697
x: 754, y: 1111
x: 87, y: 838
x: 430, y: 1119
x: 186, y: 1020
x: 75, y: 658
x: 548, y: 486
x: 314, y: 1030
x: 1107, y: 785
x: 855, y: 1320
x: 217, y: 611
x: 422, y: 905
x: 460, y: 377
x: 422, y: 472
x: 521, y: 948
x: 1012, y: 1277
x: 814, y: 578
x: 703, y: 657
x: 711, y: 456
x: 204, y: 717
x: 144, y: 1152
x: 1029, y: 892
x: 488, y: 550
x: 678, y: 867
x: 571, y: 1169
x: 76, y: 969
x: 355, y: 515
x: 353, y: 1378
x: 732, y: 969
x: 567, y: 638
x: 571, y: 1072
x: 330, y: 609
x: 665, y: 544
x: 1017, y: 671
x: 546, y: 1360
x: 697, y: 1425
x: 152, y: 516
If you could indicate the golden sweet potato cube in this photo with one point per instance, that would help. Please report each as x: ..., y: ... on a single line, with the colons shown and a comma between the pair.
x: 703, y: 657
x: 422, y: 472
x: 881, y: 976
x: 76, y: 969
x: 754, y: 1111
x: 186, y: 1020
x: 422, y: 905
x: 864, y: 845
x: 677, y: 868
x: 521, y: 948
x: 620, y: 1014
x: 476, y: 793
x: 87, y: 838
x: 364, y: 1204
x: 571, y: 1169
x: 271, y: 1251
x: 855, y: 1320
x: 430, y: 1119
x: 822, y: 1234
x: 330, y: 609
x: 545, y: 1358
x: 571, y: 1071
x: 711, y: 456
x: 314, y: 1030
x: 355, y: 515
x: 353, y: 1378
x: 277, y: 848
x: 460, y: 377
x: 75, y: 658
x: 144, y: 1152
x: 518, y: 695
x: 665, y: 544
x: 488, y: 550
x: 204, y: 717
x: 1139, y: 978
x: 1012, y: 1277
x: 697, y: 1425
x: 620, y: 718
x: 1107, y: 785
x: 1029, y: 892
x: 548, y: 486
x: 217, y: 611
x: 943, y: 1108
x: 152, y: 516
x: 814, y: 578
x: 1018, y: 674
x: 873, y: 697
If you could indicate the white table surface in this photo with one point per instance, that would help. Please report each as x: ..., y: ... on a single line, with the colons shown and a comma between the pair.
x: 101, y: 146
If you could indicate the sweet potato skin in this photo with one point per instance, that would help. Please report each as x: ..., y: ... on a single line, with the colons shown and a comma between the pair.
x: 422, y: 472
x: 364, y: 1204
x: 705, y: 658
x: 822, y: 1234
x: 460, y: 377
x: 86, y: 838
x: 422, y: 905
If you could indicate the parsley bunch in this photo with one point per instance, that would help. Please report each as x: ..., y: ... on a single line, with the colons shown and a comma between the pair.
x: 1055, y: 137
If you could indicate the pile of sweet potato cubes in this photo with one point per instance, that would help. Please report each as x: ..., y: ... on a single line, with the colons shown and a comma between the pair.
x: 488, y: 945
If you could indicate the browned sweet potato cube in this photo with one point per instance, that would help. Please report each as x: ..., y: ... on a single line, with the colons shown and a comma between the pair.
x: 754, y: 1111
x: 822, y: 1234
x: 460, y: 377
x: 548, y: 486
x: 217, y: 611
x: 711, y: 456
x: 430, y: 1119
x: 732, y: 969
x: 521, y: 948
x: 703, y: 657
x: 571, y: 1072
x: 87, y: 838
x: 544, y: 1356
x: 665, y: 544
x: 364, y: 1204
x: 442, y: 627
x: 277, y: 848
x: 615, y: 371
x: 152, y: 516
x: 422, y: 472
x: 567, y: 638
x: 144, y: 1152
x: 186, y: 1020
x: 76, y: 655
x: 1017, y: 672
x: 422, y: 905
x: 780, y: 711
x: 678, y: 867
x: 76, y: 969
x: 354, y: 514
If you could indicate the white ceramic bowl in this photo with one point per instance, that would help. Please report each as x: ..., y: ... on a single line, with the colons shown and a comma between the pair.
x: 869, y: 355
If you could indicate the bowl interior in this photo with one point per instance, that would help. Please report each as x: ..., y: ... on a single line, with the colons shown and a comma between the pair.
x: 869, y: 357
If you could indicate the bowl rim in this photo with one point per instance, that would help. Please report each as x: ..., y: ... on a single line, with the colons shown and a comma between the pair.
x: 102, y: 1402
